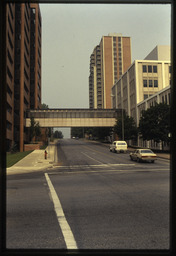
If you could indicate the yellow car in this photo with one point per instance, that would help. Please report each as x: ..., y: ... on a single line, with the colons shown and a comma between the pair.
x: 143, y: 155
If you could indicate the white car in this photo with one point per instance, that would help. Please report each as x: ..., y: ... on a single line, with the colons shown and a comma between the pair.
x: 143, y: 155
x: 118, y: 146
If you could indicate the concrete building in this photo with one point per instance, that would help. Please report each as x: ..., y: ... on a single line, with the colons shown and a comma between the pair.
x: 23, y: 56
x: 109, y: 60
x: 143, y: 79
x: 163, y: 96
x: 160, y: 52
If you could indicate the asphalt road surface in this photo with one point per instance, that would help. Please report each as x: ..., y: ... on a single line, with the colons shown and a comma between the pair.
x: 91, y: 199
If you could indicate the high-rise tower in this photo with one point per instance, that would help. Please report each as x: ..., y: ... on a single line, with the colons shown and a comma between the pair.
x: 109, y: 60
x: 23, y: 71
x: 10, y: 52
x: 35, y: 57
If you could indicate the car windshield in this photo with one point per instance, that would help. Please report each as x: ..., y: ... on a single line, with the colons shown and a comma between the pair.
x: 146, y: 151
x: 121, y: 143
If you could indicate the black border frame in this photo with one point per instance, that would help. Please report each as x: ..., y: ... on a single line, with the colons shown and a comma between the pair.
x: 23, y: 252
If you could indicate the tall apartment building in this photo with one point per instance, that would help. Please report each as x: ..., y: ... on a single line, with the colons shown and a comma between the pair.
x: 25, y: 73
x: 143, y: 79
x: 22, y: 72
x: 35, y: 60
x: 109, y: 60
x: 10, y: 52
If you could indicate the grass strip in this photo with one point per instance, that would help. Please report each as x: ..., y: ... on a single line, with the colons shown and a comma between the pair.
x: 15, y: 157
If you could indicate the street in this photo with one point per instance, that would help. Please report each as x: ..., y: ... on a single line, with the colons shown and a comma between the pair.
x: 90, y: 199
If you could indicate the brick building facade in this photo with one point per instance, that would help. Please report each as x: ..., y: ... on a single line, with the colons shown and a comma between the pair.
x: 109, y: 60
x: 23, y: 51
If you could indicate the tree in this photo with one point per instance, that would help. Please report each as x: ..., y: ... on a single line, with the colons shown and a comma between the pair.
x: 32, y: 128
x: 101, y: 132
x: 96, y: 132
x: 35, y: 130
x: 154, y: 123
x: 77, y: 132
x: 58, y: 134
x: 44, y: 106
x: 129, y: 126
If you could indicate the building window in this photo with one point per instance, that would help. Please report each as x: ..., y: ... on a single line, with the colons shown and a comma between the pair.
x: 170, y: 69
x: 150, y: 83
x: 154, y: 69
x: 149, y: 69
x: 145, y: 83
x: 166, y: 99
x: 9, y: 74
x: 145, y: 96
x: 9, y: 91
x: 144, y: 67
x: 155, y: 83
x: 9, y: 125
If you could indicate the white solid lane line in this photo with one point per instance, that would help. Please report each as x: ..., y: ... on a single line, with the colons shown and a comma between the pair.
x: 66, y: 230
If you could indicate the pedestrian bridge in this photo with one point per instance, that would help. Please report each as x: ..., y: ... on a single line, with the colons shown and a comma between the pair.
x: 73, y: 117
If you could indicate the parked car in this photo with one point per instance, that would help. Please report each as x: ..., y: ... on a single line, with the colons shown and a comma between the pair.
x: 143, y: 155
x: 118, y: 146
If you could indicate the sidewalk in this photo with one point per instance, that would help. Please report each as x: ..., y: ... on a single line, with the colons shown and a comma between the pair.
x: 35, y: 161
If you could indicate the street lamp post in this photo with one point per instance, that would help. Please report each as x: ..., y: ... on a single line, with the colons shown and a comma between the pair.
x: 123, y: 133
x: 122, y: 124
x: 122, y: 115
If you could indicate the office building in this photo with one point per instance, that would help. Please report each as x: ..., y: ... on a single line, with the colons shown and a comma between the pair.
x: 160, y: 52
x: 163, y: 96
x: 109, y: 60
x: 143, y: 79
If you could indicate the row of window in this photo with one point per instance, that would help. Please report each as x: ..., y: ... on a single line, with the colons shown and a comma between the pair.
x: 150, y: 83
x: 152, y: 69
x: 147, y: 95
x: 149, y: 68
x: 165, y: 98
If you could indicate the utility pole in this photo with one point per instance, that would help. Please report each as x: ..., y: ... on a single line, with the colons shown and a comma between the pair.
x: 122, y: 114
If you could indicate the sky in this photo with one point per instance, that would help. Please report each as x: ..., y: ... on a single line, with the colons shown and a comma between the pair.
x: 70, y: 32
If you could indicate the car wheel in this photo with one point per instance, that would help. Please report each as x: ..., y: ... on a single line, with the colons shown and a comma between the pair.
x: 152, y: 161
